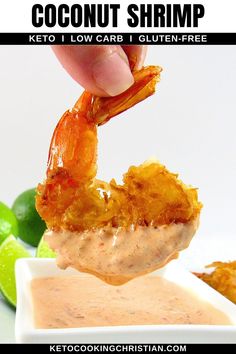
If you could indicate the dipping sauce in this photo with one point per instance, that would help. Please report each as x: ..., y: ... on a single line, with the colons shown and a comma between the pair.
x: 85, y: 301
x: 117, y: 255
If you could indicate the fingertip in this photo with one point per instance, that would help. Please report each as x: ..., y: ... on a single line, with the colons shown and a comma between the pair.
x: 101, y: 70
x: 112, y: 74
x: 136, y: 55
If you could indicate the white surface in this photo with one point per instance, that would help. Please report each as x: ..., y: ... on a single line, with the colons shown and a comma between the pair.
x: 27, y: 269
x: 7, y: 322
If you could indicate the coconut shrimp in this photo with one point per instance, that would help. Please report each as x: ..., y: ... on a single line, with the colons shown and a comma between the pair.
x: 222, y: 278
x: 115, y: 232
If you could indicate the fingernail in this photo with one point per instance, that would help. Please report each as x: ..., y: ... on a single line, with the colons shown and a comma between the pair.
x: 112, y: 74
x: 141, y: 58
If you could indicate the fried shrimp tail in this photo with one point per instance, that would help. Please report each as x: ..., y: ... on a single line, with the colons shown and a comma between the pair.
x: 144, y: 86
x: 73, y: 148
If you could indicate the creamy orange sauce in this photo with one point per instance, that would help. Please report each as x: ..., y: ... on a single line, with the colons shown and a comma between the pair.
x: 117, y: 255
x: 85, y: 301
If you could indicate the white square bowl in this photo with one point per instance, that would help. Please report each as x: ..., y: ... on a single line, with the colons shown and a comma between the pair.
x: 27, y: 269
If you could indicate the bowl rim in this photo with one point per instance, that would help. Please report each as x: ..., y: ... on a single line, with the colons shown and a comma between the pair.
x: 27, y: 268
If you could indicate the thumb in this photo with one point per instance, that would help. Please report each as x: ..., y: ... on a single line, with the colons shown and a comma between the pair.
x: 101, y: 70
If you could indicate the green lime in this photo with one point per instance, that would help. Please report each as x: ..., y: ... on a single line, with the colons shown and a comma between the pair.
x: 8, y: 222
x: 44, y: 251
x: 10, y: 251
x: 31, y: 226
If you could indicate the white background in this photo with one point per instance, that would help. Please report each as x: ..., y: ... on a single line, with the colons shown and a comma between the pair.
x: 189, y: 125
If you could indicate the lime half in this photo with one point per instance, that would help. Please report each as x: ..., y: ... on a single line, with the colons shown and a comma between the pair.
x: 44, y: 251
x: 10, y: 251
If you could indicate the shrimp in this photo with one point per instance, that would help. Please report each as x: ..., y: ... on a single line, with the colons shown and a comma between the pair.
x: 73, y: 153
x: 92, y: 223
x: 222, y: 278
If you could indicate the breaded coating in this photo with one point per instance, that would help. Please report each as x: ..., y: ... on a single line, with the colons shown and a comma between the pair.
x: 150, y: 195
x: 222, y: 278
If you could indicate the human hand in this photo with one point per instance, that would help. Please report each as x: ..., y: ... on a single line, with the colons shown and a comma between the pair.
x: 103, y: 70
